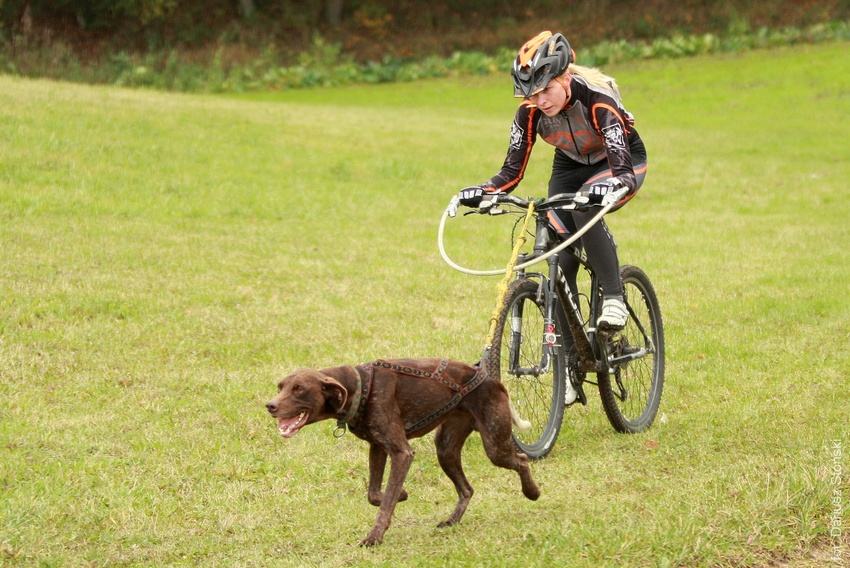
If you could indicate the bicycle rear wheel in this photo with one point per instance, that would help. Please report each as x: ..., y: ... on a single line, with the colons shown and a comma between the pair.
x: 631, y: 392
x: 517, y: 348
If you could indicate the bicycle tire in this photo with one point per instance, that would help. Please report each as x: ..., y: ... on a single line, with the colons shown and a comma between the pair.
x: 631, y: 394
x: 537, y: 399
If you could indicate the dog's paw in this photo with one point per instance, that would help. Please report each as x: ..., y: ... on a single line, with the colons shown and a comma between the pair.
x: 532, y: 492
x: 372, y: 539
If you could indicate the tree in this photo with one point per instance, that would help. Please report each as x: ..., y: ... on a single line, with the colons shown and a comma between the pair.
x: 333, y: 12
x: 248, y: 8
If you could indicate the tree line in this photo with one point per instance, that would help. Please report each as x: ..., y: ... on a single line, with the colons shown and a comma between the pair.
x: 370, y: 30
x: 110, y: 15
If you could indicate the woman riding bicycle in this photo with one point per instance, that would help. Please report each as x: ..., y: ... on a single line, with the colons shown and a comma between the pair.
x: 578, y: 110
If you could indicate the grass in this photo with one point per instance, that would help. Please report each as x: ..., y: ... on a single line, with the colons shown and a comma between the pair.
x: 164, y: 257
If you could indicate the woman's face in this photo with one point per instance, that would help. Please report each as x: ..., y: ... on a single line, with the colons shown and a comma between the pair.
x: 552, y: 99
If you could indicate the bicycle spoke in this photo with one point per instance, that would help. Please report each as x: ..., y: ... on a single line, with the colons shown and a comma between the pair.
x: 632, y: 392
x: 536, y: 396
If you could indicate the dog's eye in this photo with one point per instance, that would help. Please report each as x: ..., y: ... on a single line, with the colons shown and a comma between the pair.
x: 297, y: 389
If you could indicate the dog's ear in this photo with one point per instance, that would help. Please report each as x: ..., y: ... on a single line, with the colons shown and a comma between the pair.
x: 335, y: 395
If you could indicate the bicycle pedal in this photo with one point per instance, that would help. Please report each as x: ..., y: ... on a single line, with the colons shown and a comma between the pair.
x: 582, y: 398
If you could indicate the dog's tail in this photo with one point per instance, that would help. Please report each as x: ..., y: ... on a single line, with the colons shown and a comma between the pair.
x: 521, y: 425
x: 493, y: 370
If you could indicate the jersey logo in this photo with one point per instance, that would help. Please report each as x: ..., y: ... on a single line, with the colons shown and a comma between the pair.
x: 614, y: 137
x: 517, y: 134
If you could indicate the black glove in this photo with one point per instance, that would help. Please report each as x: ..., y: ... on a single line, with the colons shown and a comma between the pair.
x: 471, y: 196
x: 598, y: 192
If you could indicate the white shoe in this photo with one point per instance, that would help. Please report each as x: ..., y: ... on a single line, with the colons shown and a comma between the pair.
x: 570, y: 394
x: 614, y: 314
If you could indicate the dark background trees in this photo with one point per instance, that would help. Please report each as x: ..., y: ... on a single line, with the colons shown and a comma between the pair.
x: 370, y: 29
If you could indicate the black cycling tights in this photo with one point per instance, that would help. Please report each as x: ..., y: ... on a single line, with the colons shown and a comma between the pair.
x: 598, y: 242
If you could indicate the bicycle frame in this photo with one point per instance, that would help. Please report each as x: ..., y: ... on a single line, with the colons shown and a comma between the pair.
x: 557, y: 297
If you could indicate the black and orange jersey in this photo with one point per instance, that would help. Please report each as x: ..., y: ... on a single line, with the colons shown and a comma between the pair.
x: 593, y: 127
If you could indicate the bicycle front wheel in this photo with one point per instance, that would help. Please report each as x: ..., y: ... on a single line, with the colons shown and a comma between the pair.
x: 536, y: 389
x: 631, y: 390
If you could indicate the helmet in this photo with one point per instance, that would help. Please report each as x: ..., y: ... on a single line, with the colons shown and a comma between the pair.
x: 540, y: 60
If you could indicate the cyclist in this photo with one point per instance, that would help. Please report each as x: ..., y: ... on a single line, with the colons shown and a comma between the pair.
x: 578, y: 110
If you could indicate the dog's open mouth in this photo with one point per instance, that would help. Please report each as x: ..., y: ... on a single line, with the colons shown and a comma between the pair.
x: 288, y: 427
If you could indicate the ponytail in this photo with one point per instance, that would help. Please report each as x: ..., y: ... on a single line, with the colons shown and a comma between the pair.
x: 596, y: 78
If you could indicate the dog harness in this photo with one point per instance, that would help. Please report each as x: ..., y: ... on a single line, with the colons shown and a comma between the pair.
x: 354, y: 418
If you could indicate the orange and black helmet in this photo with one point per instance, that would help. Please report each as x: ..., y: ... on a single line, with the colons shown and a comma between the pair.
x: 540, y: 60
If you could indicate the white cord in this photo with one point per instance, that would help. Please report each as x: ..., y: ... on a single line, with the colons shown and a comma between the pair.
x: 577, y: 235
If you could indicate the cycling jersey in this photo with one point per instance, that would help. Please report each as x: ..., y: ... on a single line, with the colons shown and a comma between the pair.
x: 593, y: 127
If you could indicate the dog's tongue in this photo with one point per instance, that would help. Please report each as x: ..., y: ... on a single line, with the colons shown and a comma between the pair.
x: 288, y: 427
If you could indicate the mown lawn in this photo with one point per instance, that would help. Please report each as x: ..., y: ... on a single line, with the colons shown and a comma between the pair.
x: 166, y: 257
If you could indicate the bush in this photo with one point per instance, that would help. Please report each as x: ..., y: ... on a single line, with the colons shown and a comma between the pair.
x: 325, y: 65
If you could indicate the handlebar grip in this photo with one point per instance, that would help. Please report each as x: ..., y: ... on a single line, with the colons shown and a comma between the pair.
x: 620, y: 194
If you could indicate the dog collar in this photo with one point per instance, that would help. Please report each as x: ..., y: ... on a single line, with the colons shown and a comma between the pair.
x: 355, y: 400
x: 354, y: 410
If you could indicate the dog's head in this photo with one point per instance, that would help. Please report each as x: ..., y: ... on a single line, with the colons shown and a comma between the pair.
x: 304, y: 397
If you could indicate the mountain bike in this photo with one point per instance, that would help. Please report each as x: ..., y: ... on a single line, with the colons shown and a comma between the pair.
x: 545, y: 334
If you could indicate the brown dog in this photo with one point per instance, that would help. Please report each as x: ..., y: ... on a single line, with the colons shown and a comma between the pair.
x: 388, y: 402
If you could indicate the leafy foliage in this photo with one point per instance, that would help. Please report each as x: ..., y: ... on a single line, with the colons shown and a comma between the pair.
x: 91, y: 13
x: 325, y: 64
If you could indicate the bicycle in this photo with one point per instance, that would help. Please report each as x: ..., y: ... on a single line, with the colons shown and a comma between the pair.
x: 527, y: 350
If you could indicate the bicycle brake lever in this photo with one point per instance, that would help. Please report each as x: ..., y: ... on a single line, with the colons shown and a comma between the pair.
x: 486, y: 211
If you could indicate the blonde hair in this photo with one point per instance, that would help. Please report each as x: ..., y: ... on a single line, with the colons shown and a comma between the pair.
x: 596, y: 78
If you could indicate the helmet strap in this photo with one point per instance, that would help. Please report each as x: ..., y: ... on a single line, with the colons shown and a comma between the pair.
x: 564, y: 80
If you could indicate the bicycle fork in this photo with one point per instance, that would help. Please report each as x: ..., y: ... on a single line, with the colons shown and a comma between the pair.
x: 550, y: 297
x: 517, y: 335
x: 547, y: 296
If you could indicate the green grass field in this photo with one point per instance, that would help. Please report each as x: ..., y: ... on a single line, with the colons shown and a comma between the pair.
x: 166, y: 257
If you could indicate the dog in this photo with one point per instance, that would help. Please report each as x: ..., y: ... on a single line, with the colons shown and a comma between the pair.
x: 388, y: 402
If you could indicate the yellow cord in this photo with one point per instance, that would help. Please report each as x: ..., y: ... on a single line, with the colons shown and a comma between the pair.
x: 502, y: 288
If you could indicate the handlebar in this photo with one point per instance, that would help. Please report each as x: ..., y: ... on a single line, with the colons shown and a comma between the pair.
x: 561, y: 201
